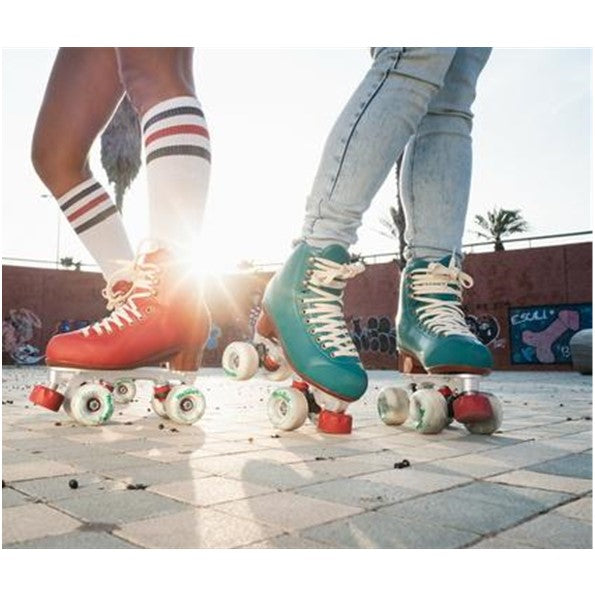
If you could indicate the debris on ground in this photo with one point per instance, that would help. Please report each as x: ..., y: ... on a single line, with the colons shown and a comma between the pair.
x: 174, y: 430
x: 57, y: 424
x: 73, y: 483
x: 402, y: 464
x: 161, y: 426
x: 137, y: 486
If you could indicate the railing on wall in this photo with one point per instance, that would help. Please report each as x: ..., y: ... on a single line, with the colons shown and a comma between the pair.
x: 384, y: 257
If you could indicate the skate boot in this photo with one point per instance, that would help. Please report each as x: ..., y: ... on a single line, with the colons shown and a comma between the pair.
x: 157, y: 331
x: 302, y: 329
x: 432, y: 337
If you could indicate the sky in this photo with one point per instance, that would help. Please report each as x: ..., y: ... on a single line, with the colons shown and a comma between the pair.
x: 269, y: 113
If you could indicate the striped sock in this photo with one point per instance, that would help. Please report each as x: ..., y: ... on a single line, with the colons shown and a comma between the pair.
x: 178, y: 160
x: 96, y: 220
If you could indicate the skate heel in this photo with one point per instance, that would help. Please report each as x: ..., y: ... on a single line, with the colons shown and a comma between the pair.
x: 409, y: 364
x: 187, y: 360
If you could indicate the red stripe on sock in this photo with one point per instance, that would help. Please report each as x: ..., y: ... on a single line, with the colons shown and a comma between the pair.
x: 178, y: 130
x: 87, y: 207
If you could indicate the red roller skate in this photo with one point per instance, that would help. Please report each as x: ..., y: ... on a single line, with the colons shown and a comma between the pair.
x: 157, y: 331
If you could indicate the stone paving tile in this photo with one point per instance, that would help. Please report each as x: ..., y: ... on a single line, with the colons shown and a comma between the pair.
x: 195, y: 528
x: 118, y: 507
x: 13, y: 456
x: 12, y: 498
x: 501, y: 543
x: 286, y: 510
x: 156, y: 473
x: 552, y: 530
x: 27, y: 522
x: 376, y: 530
x: 287, y: 541
x: 39, y: 468
x: 554, y: 482
x: 532, y: 499
x: 100, y: 462
x: 460, y: 510
x: 209, y: 491
x: 343, y: 467
x: 580, y: 509
x: 578, y: 466
x: 525, y: 454
x: 79, y: 539
x: 171, y: 454
x: 422, y: 478
x: 474, y: 465
x: 57, y: 487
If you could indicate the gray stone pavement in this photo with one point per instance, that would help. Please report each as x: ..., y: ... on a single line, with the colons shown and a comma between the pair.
x: 233, y: 481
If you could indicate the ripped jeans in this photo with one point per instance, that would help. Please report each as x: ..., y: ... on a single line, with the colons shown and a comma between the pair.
x: 416, y: 100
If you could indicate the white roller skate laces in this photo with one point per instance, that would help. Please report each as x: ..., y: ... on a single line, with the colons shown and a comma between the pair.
x: 143, y: 278
x: 325, y: 309
x: 440, y: 315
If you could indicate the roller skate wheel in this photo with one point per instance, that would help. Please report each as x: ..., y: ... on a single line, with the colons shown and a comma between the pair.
x: 393, y: 405
x: 335, y: 423
x: 124, y: 391
x: 472, y: 407
x: 282, y: 371
x: 184, y: 404
x: 287, y: 408
x: 487, y: 427
x: 240, y: 360
x: 91, y: 404
x: 157, y: 405
x: 46, y: 397
x: 428, y: 411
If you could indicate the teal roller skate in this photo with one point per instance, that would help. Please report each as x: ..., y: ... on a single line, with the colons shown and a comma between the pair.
x: 441, y: 357
x: 302, y: 330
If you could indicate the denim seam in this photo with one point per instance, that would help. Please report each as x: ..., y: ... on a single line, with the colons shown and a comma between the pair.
x: 350, y: 136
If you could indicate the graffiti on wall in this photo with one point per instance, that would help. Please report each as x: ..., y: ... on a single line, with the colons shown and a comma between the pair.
x: 17, y: 331
x: 66, y: 325
x: 376, y: 334
x: 541, y: 334
x: 486, y: 328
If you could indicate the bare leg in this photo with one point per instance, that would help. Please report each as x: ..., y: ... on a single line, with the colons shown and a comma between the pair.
x: 81, y: 95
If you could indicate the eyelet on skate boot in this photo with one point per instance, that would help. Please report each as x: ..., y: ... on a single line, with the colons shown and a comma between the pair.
x: 46, y: 397
x: 335, y: 423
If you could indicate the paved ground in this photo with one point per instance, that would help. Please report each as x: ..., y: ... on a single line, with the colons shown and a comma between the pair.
x: 233, y: 481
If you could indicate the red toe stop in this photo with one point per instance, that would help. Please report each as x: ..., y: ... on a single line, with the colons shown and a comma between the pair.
x: 472, y: 407
x: 48, y: 398
x: 336, y: 423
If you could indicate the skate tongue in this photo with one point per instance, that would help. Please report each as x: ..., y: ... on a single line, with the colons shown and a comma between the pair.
x: 336, y: 253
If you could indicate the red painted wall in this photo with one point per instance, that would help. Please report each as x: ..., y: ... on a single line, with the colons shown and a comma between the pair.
x: 556, y: 275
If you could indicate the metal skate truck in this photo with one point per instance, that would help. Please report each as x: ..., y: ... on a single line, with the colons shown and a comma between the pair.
x: 301, y: 332
x: 442, y: 361
x: 156, y: 332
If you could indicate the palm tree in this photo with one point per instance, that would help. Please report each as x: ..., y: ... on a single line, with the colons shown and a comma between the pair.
x: 121, y: 149
x: 500, y: 223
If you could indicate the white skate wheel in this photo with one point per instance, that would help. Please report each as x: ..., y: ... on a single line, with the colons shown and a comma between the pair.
x: 287, y: 408
x: 428, y: 411
x: 185, y: 404
x: 487, y: 427
x: 281, y: 374
x: 158, y: 407
x: 91, y: 404
x: 124, y: 391
x: 240, y: 360
x: 393, y: 405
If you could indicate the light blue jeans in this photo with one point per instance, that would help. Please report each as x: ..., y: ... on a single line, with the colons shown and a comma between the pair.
x: 416, y: 100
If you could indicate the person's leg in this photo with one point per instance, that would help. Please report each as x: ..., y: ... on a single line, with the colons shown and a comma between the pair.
x: 81, y: 95
x: 435, y: 179
x: 436, y: 171
x: 159, y: 83
x: 370, y: 133
x: 163, y: 317
x: 303, y: 303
